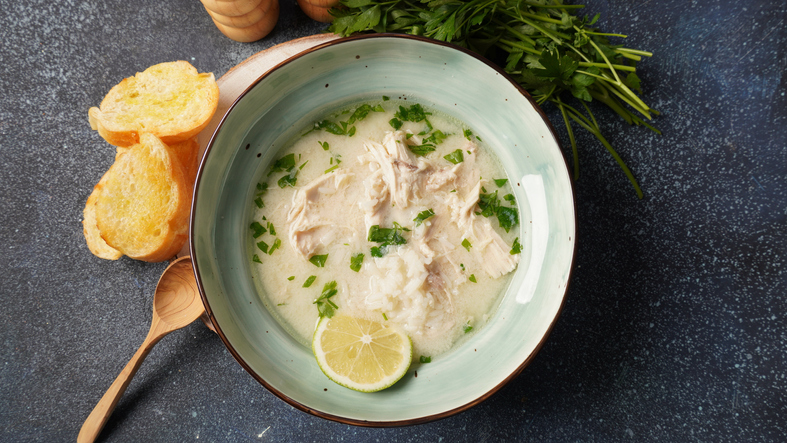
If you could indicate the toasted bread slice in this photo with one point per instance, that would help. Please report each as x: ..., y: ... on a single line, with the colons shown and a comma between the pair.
x: 142, y: 210
x: 95, y: 243
x: 170, y: 100
x: 188, y: 154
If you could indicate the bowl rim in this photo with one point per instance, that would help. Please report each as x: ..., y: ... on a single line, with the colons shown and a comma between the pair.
x: 337, y: 418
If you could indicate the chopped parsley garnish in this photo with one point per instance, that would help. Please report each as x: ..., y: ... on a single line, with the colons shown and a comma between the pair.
x: 386, y: 98
x: 263, y: 246
x: 462, y: 266
x: 258, y: 229
x: 472, y: 278
x: 256, y: 258
x: 289, y: 179
x: 331, y: 127
x: 488, y: 204
x: 262, y: 187
x: 304, y: 164
x: 259, y: 203
x: 414, y: 113
x: 385, y: 317
x: 360, y: 113
x: 386, y: 237
x: 309, y: 281
x: 332, y: 168
x: 421, y: 150
x: 510, y: 199
x: 291, y: 278
x: 437, y: 137
x: 276, y: 245
x: 281, y: 304
x: 455, y: 157
x: 467, y: 328
x: 516, y: 248
x: 325, y: 306
x: 425, y: 359
x: 395, y: 123
x: 422, y: 216
x: 325, y: 145
x: 468, y: 134
x: 356, y: 261
x: 271, y: 229
x: 466, y: 244
x: 283, y: 164
x: 507, y: 217
x: 318, y: 260
x: 500, y: 182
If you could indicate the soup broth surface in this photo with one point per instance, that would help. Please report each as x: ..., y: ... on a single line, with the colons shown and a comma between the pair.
x: 407, y: 215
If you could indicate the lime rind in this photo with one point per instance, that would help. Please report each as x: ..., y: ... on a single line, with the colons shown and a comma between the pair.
x: 343, y: 380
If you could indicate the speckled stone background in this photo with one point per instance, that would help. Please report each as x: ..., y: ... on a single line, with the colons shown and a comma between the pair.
x: 674, y: 328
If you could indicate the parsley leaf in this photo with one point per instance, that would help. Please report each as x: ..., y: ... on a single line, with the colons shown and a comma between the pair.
x: 309, y: 281
x: 422, y: 216
x: 356, y: 261
x: 516, y: 248
x: 258, y: 229
x: 276, y: 245
x: 555, y: 66
x: 263, y: 246
x: 472, y: 278
x: 256, y: 258
x: 421, y: 150
x: 290, y: 179
x: 466, y: 244
x: 500, y: 182
x: 325, y: 306
x: 425, y: 359
x: 507, y: 217
x: 455, y: 157
x: 283, y: 164
x: 318, y: 260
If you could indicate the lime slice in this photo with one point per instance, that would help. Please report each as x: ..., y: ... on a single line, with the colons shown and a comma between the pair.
x: 359, y: 354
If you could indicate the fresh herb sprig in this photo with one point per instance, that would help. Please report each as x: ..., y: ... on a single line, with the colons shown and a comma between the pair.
x: 550, y: 51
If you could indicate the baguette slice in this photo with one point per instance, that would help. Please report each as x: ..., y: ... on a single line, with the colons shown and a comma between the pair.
x: 143, y: 207
x: 187, y: 153
x: 95, y: 243
x: 170, y: 100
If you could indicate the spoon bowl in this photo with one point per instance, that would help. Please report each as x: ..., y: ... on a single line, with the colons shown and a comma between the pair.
x: 176, y: 303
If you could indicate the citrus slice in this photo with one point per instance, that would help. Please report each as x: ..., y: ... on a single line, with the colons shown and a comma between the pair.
x: 359, y: 354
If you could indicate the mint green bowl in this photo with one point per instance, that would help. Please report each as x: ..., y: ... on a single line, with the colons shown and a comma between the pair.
x: 292, y: 96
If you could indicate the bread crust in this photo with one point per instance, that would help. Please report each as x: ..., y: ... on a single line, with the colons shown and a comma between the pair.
x: 169, y: 100
x: 143, y: 207
x: 95, y: 243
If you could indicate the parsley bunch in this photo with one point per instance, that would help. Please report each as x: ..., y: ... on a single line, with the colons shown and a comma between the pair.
x: 551, y: 52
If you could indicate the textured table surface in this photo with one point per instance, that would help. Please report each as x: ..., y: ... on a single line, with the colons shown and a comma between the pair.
x: 674, y: 328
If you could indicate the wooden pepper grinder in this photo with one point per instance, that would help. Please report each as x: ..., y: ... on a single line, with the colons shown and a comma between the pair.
x: 243, y: 20
x: 318, y: 9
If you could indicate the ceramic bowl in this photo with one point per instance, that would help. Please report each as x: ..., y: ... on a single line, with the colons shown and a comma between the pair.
x: 289, y: 98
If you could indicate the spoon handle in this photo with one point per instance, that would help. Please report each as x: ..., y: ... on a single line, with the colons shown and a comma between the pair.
x: 98, y: 418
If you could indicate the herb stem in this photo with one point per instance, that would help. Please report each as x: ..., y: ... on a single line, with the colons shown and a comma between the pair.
x: 571, y: 139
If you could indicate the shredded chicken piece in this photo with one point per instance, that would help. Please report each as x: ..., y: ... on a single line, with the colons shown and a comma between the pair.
x: 487, y: 246
x: 308, y: 230
x: 398, y: 166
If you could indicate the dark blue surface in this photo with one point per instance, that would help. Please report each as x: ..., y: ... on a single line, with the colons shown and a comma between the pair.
x: 674, y: 328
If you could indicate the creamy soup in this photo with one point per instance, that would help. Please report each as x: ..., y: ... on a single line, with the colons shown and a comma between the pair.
x: 390, y: 212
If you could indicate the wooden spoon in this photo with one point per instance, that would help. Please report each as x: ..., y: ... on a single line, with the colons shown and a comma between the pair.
x: 176, y: 303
